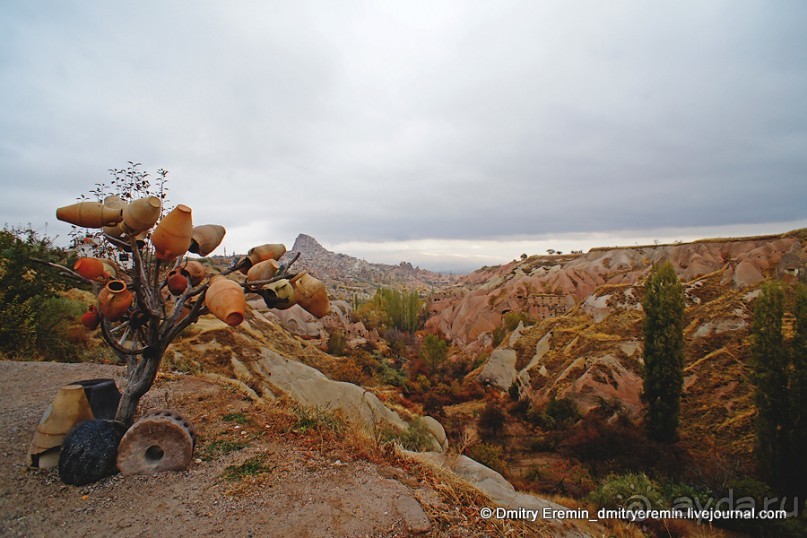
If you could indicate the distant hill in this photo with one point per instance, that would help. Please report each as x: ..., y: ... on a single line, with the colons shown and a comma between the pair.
x: 346, y: 275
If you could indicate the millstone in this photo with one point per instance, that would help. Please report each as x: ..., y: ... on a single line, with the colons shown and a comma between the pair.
x: 88, y: 452
x: 155, y: 444
x: 187, y: 424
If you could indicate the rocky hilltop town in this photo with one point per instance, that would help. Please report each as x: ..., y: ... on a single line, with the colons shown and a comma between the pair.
x: 348, y: 276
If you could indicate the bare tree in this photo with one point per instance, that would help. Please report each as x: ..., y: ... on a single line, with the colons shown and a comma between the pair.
x: 162, y: 292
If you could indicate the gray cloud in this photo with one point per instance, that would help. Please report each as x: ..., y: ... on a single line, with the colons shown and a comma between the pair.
x: 357, y: 121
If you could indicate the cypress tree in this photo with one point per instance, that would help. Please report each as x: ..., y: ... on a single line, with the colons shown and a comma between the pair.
x: 779, y: 361
x: 770, y: 362
x: 663, y: 352
x: 799, y: 393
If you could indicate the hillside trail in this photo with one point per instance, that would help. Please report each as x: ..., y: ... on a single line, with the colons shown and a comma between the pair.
x: 303, y: 489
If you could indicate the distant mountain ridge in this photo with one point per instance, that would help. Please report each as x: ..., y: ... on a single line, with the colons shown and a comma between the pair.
x: 346, y: 275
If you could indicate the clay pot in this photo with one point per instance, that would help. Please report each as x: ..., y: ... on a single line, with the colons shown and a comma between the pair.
x: 91, y: 319
x: 89, y: 215
x: 284, y: 295
x: 103, y: 396
x: 206, y: 238
x: 114, y: 300
x: 262, y: 271
x: 69, y: 407
x: 196, y: 271
x: 262, y: 253
x: 310, y: 293
x: 109, y: 268
x: 177, y: 281
x: 91, y: 268
x: 225, y: 300
x: 114, y: 231
x: 172, y: 237
x: 114, y: 202
x: 140, y: 215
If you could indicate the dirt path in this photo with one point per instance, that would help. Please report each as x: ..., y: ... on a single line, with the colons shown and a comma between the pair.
x: 303, y: 491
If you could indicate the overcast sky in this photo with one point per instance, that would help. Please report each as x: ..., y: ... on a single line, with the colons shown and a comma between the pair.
x: 450, y: 134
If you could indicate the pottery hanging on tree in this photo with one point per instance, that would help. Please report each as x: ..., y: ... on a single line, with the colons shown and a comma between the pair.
x: 196, y: 271
x: 310, y: 293
x: 91, y: 268
x: 262, y: 271
x: 90, y: 318
x: 114, y: 202
x: 172, y: 236
x: 256, y: 255
x: 89, y: 215
x: 140, y: 215
x: 177, y: 281
x: 225, y: 300
x: 283, y: 294
x: 206, y: 238
x: 114, y: 300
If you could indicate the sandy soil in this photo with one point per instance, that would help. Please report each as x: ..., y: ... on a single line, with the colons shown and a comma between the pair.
x: 306, y: 490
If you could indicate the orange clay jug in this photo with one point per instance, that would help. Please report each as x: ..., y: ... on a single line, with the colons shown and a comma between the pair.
x: 225, y: 300
x: 89, y: 215
x: 140, y: 215
x: 310, y: 293
x: 206, y: 238
x: 114, y: 300
x: 172, y: 236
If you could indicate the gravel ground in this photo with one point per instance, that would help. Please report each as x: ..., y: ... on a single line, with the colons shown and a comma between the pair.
x: 303, y: 491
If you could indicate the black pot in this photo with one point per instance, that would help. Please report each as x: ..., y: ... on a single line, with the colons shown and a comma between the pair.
x: 103, y: 396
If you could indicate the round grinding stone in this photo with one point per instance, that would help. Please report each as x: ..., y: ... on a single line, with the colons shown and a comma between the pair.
x: 181, y: 419
x: 155, y: 444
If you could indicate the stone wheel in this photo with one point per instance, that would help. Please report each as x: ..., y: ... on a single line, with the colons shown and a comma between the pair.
x: 155, y: 444
x: 180, y: 418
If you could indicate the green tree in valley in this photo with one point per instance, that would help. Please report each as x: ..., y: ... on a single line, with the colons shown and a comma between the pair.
x: 799, y: 392
x: 434, y: 352
x: 779, y: 364
x: 491, y: 422
x: 663, y: 352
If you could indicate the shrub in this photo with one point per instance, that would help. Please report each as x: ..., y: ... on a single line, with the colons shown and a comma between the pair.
x: 337, y: 343
x: 489, y: 455
x: 557, y: 414
x: 347, y: 370
x: 24, y: 287
x: 390, y: 376
x: 636, y: 491
x: 58, y: 335
x: 316, y: 418
x: 491, y: 421
x: 416, y: 437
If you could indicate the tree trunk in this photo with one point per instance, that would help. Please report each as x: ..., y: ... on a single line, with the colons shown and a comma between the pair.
x: 139, y: 383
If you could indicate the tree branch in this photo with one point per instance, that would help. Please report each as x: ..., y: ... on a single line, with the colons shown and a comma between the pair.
x: 65, y: 271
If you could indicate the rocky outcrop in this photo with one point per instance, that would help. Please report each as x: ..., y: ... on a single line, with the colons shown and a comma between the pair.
x: 500, y: 369
x: 546, y: 287
x: 347, y: 276
x: 308, y: 386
